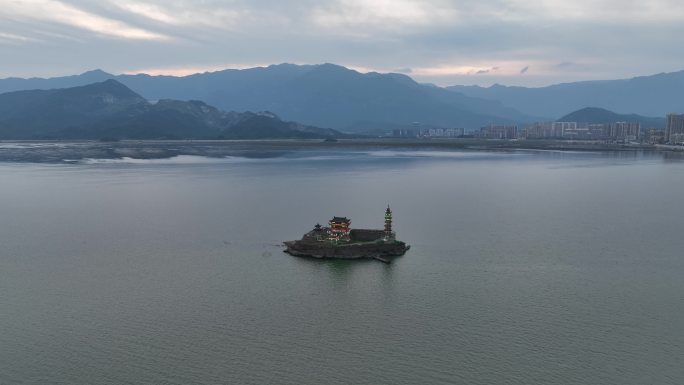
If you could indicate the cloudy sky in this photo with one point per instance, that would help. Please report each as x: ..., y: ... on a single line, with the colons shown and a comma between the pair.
x: 523, y: 42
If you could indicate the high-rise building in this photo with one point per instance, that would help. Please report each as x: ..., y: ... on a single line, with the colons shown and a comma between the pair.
x: 654, y: 136
x: 617, y: 131
x: 559, y: 128
x: 499, y: 132
x: 403, y: 133
x: 442, y: 132
x: 565, y: 130
x: 539, y: 131
x: 674, y: 131
x: 624, y: 130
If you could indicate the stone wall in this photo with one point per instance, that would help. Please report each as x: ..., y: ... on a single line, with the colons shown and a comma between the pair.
x: 364, y: 235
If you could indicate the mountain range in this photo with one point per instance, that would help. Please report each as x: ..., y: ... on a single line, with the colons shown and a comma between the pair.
x: 329, y: 95
x: 593, y: 115
x: 325, y: 95
x: 654, y: 95
x: 109, y: 109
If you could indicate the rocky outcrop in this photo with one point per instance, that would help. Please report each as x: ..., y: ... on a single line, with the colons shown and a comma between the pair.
x: 377, y: 248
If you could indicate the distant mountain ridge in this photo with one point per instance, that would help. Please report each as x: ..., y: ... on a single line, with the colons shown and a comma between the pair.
x: 329, y: 95
x: 324, y: 95
x: 593, y: 115
x: 654, y: 95
x: 109, y: 109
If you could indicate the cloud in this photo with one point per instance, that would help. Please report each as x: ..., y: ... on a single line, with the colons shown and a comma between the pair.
x: 565, y: 64
x: 487, y: 70
x: 10, y: 38
x: 359, y: 16
x: 151, y: 11
x: 437, y: 41
x: 405, y: 70
x: 189, y: 15
x: 52, y: 11
x: 599, y: 10
x: 190, y: 70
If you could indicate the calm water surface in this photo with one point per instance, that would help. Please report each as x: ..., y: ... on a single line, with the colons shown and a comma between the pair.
x: 525, y: 268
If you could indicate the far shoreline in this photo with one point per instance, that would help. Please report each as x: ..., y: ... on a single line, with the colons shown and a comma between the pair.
x: 458, y: 143
x: 64, y: 151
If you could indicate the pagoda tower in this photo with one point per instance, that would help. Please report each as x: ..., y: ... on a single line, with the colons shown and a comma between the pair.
x: 388, y: 224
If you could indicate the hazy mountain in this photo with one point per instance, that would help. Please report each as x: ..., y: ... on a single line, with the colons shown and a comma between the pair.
x: 20, y: 84
x: 595, y: 115
x: 110, y: 109
x: 324, y: 95
x: 654, y: 95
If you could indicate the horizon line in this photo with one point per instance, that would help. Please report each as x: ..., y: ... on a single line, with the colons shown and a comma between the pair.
x: 193, y: 71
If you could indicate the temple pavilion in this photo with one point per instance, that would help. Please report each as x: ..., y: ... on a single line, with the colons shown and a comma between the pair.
x: 339, y: 228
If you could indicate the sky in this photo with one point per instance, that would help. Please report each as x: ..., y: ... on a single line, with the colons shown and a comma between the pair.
x: 512, y: 42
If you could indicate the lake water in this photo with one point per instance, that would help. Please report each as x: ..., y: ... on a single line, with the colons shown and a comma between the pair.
x: 525, y: 268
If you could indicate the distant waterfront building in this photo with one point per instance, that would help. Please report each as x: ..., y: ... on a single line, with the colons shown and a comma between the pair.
x: 499, y: 132
x: 403, y: 133
x: 654, y: 136
x: 549, y: 130
x: 559, y: 128
x: 538, y: 130
x: 577, y: 133
x: 600, y: 131
x: 442, y: 132
x: 624, y: 130
x: 674, y: 131
x: 618, y: 131
x: 586, y: 132
x: 434, y: 132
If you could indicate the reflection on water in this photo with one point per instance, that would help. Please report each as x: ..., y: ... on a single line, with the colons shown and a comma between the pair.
x: 525, y: 267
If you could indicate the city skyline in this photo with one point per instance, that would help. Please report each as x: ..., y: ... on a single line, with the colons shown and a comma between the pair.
x: 442, y: 42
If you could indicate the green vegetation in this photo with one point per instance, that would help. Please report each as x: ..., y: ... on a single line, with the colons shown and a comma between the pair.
x: 109, y: 110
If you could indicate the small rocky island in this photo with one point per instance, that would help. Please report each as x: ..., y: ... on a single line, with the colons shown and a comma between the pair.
x: 338, y: 240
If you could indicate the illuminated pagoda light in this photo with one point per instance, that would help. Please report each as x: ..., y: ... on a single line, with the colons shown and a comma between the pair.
x: 388, y: 224
x: 339, y: 229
